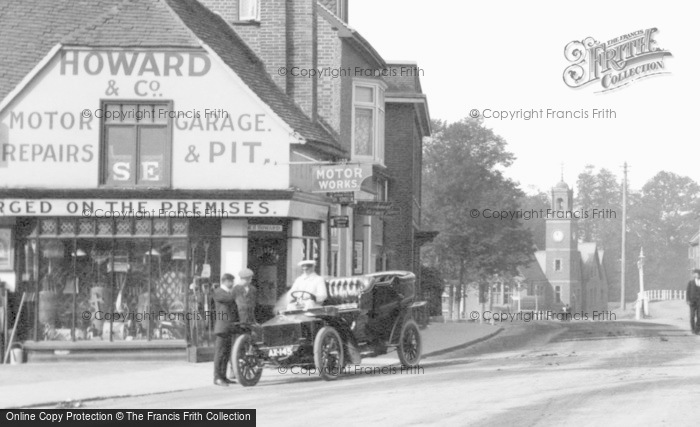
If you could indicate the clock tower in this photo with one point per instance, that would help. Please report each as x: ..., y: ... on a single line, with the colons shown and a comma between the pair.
x: 563, y: 259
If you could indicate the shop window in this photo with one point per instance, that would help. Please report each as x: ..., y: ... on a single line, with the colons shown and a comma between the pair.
x: 368, y: 122
x: 115, y: 279
x: 136, y: 144
x: 249, y: 10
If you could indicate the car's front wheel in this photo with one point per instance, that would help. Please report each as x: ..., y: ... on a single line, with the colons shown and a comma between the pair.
x: 410, y: 345
x: 328, y: 353
x: 245, y: 361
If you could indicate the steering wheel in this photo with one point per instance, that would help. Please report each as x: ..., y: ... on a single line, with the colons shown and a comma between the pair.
x: 298, y: 294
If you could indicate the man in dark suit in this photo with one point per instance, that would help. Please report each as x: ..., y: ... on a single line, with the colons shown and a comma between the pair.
x: 244, y: 293
x: 226, y: 317
x: 692, y: 298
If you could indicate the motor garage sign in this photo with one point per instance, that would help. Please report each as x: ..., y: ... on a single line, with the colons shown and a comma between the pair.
x: 140, y: 117
x: 340, y: 178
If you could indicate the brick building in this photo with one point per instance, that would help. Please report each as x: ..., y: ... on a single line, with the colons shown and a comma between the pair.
x: 297, y: 36
x: 137, y: 211
x: 567, y: 271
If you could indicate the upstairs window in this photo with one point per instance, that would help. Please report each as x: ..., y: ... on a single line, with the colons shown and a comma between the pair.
x: 248, y: 10
x: 557, y: 265
x: 368, y: 122
x: 136, y: 141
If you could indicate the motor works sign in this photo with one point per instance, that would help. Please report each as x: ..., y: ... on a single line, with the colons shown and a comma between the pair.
x: 340, y: 178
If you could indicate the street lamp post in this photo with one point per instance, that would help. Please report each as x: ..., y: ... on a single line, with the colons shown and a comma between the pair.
x: 642, y: 294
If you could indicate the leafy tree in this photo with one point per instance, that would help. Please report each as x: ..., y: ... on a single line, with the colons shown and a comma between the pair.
x: 661, y: 217
x: 663, y: 220
x: 432, y: 286
x: 601, y: 190
x: 537, y: 224
x: 463, y: 184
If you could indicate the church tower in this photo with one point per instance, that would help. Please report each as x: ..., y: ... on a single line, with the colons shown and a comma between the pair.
x: 563, y: 259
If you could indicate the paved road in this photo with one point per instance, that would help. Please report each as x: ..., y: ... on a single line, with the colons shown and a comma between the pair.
x: 537, y: 373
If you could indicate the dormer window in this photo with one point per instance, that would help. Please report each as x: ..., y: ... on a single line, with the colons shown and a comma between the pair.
x: 249, y: 10
x: 368, y: 122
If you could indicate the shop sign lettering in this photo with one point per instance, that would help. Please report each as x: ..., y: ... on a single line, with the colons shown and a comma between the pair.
x: 340, y: 178
x: 132, y: 208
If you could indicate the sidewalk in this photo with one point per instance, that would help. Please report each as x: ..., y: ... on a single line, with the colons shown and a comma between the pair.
x: 47, y: 384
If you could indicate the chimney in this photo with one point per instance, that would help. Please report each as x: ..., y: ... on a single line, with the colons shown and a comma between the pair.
x: 272, y: 45
x: 302, y: 52
x: 285, y: 37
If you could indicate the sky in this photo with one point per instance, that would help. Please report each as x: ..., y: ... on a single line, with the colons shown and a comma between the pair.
x: 509, y: 56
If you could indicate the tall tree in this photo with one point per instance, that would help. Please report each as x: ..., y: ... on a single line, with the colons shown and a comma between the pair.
x: 537, y: 224
x: 663, y: 220
x: 600, y: 192
x: 463, y: 186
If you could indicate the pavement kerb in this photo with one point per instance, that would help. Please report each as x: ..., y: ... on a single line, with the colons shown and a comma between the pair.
x: 65, y: 404
x: 464, y: 345
x: 118, y: 396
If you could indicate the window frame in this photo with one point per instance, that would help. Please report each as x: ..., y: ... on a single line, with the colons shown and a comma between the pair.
x: 377, y: 105
x: 167, y: 154
x: 255, y: 18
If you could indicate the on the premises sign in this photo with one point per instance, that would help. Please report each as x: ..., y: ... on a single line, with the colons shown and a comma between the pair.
x: 340, y: 177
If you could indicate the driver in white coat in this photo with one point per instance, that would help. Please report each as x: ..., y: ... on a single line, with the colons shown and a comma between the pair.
x: 312, y: 284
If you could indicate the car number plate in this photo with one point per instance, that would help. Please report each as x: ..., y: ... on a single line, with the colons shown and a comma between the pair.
x: 281, y: 351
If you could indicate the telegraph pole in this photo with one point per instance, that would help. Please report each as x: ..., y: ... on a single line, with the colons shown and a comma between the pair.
x: 624, y: 234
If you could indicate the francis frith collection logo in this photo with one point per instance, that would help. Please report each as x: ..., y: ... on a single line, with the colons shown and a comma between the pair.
x: 615, y: 63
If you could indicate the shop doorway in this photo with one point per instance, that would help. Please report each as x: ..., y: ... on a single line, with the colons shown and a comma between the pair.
x: 267, y: 257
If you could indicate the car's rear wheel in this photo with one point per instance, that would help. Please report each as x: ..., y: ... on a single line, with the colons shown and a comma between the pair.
x: 410, y: 345
x: 245, y: 361
x: 328, y: 353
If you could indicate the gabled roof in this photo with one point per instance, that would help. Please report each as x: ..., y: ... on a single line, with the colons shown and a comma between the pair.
x: 353, y: 37
x: 592, y: 262
x: 403, y: 85
x: 406, y: 82
x: 588, y: 251
x: 29, y: 29
x: 149, y: 24
x: 218, y: 35
x: 541, y: 257
x: 533, y: 272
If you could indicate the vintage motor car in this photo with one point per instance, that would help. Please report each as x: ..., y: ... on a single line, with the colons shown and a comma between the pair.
x: 363, y: 316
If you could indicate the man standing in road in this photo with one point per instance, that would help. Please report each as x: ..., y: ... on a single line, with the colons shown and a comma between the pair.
x: 313, y: 286
x: 226, y: 318
x: 244, y: 293
x: 692, y: 298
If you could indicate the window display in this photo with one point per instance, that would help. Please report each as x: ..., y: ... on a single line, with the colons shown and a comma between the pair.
x: 113, y: 279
